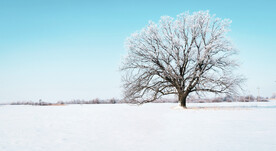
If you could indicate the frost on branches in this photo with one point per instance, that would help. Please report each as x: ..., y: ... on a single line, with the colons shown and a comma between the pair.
x: 179, y: 56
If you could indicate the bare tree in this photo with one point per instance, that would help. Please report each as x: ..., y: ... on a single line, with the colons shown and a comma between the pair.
x: 273, y: 96
x: 179, y: 56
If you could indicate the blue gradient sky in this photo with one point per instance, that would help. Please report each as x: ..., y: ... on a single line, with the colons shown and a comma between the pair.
x: 61, y: 50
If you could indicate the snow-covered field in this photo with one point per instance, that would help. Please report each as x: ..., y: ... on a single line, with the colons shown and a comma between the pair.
x: 150, y: 127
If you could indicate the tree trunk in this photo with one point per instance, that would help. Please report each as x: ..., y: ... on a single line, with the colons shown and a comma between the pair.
x: 182, y: 99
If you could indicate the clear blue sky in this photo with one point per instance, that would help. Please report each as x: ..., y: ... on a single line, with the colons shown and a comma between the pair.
x: 61, y: 50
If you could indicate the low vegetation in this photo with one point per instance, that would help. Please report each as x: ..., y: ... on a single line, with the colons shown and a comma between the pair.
x: 248, y: 98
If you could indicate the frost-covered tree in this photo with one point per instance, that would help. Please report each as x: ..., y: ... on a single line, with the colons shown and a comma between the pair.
x: 179, y: 56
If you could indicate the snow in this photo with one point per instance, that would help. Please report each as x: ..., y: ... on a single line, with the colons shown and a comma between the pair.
x: 150, y: 127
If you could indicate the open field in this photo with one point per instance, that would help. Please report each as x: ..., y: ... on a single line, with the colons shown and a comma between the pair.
x: 150, y: 127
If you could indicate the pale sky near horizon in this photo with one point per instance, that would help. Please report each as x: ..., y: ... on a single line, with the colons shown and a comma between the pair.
x: 71, y: 49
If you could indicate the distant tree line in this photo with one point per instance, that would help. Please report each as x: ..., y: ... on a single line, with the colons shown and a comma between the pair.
x: 247, y: 98
x: 77, y: 101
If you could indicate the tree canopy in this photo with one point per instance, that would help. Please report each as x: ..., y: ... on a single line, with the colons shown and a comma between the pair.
x: 190, y: 53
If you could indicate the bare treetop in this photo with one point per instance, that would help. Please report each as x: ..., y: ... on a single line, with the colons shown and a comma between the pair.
x: 179, y: 56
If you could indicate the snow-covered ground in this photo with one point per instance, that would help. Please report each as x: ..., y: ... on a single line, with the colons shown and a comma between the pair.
x: 150, y: 127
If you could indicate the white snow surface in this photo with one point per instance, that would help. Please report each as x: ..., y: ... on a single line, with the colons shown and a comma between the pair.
x: 150, y: 127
